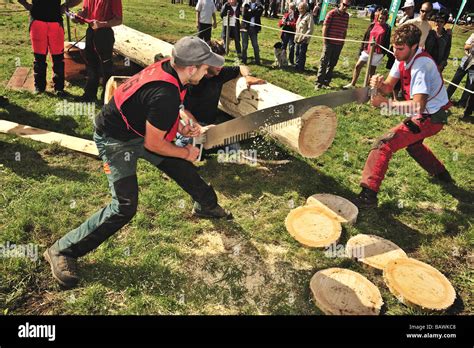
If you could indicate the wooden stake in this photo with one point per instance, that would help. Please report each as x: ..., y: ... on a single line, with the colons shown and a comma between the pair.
x: 227, y: 34
x: 369, y: 63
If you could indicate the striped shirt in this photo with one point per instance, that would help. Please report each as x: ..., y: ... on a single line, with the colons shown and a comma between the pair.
x: 336, y: 23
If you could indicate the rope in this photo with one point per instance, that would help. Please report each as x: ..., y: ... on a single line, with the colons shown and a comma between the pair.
x: 315, y: 36
x: 449, y: 82
x: 11, y: 11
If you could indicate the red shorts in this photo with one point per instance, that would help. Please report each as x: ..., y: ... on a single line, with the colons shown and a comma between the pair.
x: 47, y: 36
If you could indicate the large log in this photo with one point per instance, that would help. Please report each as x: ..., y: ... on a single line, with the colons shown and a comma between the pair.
x: 311, y: 137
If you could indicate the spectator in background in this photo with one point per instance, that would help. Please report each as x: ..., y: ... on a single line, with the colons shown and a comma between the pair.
x: 304, y: 28
x: 380, y: 31
x: 99, y: 43
x: 466, y: 68
x: 266, y: 5
x: 451, y: 18
x: 273, y: 9
x: 251, y: 14
x: 316, y: 11
x: 408, y: 12
x: 422, y: 22
x: 205, y: 18
x: 231, y: 9
x: 288, y: 23
x: 335, y: 27
x: 438, y: 43
x: 374, y: 15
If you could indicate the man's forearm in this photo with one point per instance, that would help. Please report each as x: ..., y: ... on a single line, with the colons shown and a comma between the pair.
x: 167, y: 149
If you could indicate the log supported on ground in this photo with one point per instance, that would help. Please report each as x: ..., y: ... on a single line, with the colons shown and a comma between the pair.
x: 311, y: 137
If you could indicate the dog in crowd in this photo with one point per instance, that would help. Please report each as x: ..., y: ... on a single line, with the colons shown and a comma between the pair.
x: 280, y: 56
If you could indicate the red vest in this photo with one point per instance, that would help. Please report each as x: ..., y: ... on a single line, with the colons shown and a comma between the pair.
x: 405, y: 76
x: 151, y: 73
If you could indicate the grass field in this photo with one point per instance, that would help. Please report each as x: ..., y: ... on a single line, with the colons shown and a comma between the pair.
x: 167, y: 262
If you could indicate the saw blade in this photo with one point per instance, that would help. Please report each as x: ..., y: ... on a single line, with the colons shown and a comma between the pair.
x: 277, y: 117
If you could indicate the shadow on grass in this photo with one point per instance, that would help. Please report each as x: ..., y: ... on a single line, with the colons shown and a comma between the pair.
x: 28, y: 163
x: 234, y: 180
x: 63, y: 124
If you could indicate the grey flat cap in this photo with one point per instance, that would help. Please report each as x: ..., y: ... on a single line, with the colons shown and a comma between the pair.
x: 191, y: 50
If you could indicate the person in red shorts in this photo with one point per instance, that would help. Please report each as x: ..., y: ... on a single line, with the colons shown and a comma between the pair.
x: 103, y: 15
x: 47, y: 35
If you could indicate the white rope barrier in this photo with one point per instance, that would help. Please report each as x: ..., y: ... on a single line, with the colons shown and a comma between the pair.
x: 315, y: 36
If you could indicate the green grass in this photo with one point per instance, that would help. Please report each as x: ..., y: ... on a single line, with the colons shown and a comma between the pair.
x: 167, y: 262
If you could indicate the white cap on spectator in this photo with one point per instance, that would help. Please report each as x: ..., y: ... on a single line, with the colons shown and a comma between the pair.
x: 409, y: 3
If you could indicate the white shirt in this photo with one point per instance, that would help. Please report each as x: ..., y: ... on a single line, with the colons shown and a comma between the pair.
x: 205, y: 8
x: 231, y: 19
x: 425, y: 79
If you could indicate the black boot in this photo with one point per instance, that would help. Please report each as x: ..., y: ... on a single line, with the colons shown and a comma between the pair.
x: 39, y: 72
x: 367, y: 198
x: 58, y: 70
x: 211, y: 213
x: 444, y: 177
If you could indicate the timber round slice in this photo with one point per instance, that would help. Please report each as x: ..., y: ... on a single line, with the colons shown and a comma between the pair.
x: 345, y: 210
x: 339, y: 291
x: 416, y: 283
x: 373, y: 250
x: 313, y: 226
x: 317, y: 132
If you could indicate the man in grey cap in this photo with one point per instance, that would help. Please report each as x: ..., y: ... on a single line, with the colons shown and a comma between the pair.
x: 141, y: 121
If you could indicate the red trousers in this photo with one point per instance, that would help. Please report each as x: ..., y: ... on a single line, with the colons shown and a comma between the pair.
x: 398, y: 138
x: 48, y: 37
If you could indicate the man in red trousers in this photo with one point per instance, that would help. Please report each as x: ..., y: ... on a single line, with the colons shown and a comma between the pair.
x: 426, y: 100
x: 47, y: 35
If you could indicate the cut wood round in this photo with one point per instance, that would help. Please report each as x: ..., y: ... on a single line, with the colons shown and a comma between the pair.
x: 339, y: 291
x: 317, y: 132
x: 373, y: 250
x: 345, y: 210
x: 416, y: 283
x: 313, y: 226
